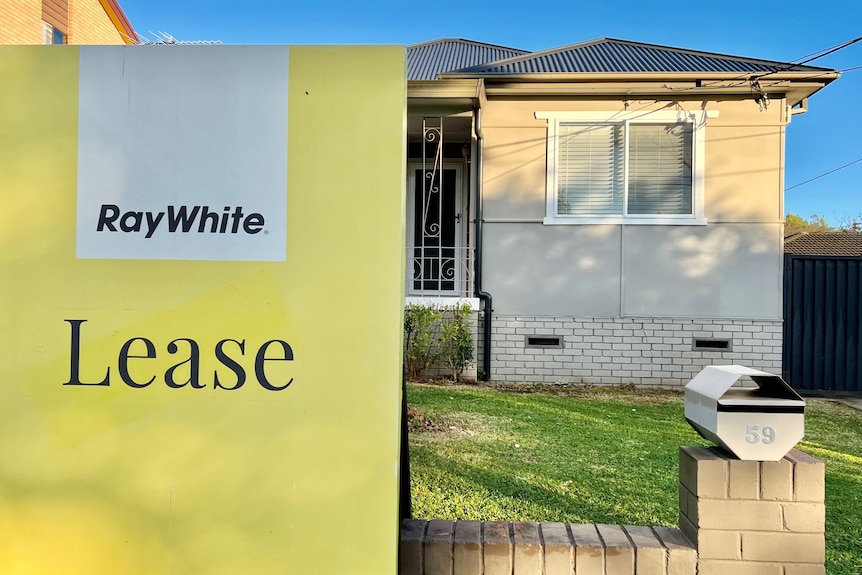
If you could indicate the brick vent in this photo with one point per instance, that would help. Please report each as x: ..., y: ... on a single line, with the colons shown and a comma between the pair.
x: 497, y: 548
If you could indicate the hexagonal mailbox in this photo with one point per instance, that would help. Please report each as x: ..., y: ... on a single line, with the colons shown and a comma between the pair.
x: 759, y: 423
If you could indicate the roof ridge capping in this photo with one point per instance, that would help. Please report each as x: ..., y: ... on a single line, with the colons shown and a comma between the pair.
x: 798, y: 67
x: 428, y: 60
x: 489, y: 68
x: 467, y: 41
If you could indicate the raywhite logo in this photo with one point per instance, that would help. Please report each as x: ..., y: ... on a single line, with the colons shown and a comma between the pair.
x: 182, y: 219
x: 182, y: 153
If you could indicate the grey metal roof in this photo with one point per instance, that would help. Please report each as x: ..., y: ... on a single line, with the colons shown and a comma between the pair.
x: 426, y: 60
x: 607, y: 55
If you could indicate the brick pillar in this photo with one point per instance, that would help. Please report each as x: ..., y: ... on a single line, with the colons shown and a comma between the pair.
x: 753, y: 517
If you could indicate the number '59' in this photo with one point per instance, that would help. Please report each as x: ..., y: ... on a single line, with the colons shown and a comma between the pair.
x: 754, y: 434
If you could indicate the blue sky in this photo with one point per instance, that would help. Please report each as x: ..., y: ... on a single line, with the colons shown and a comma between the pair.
x: 828, y: 136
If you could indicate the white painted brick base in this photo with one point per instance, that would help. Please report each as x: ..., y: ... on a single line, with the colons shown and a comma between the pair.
x: 642, y: 351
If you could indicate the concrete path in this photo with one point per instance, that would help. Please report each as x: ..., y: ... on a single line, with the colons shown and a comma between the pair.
x: 852, y: 402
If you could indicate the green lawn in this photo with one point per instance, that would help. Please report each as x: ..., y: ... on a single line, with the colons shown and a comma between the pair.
x: 595, y: 455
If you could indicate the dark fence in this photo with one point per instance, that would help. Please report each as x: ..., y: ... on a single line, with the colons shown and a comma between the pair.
x: 822, y: 323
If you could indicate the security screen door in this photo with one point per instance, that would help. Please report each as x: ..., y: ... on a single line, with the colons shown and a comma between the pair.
x: 434, y: 234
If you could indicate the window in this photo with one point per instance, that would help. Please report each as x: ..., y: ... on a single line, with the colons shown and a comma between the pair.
x: 632, y: 167
x: 52, y: 35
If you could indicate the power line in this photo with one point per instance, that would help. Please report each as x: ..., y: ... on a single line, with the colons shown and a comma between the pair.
x: 816, y: 52
x: 824, y: 174
x: 832, y: 50
x: 743, y: 79
x: 823, y: 53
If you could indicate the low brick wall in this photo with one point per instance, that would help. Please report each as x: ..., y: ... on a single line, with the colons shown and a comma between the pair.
x: 763, y: 517
x: 736, y: 517
x: 498, y: 548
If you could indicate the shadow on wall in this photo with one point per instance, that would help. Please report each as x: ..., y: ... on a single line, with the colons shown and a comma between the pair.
x: 728, y: 268
x: 718, y: 270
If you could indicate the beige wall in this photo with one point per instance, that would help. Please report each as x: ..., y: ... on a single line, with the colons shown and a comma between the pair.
x: 730, y: 268
x: 514, y: 171
x: 745, y: 162
x: 21, y: 23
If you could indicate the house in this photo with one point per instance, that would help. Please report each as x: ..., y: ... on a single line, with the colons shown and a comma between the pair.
x: 64, y: 22
x: 612, y: 209
x: 823, y: 311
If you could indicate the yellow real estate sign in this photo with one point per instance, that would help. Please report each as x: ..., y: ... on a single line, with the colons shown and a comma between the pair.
x: 201, y: 255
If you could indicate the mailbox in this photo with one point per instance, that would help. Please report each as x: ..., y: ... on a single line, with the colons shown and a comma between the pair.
x: 761, y: 422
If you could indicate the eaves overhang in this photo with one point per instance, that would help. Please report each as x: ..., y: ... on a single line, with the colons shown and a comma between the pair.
x: 457, y: 91
x: 827, y: 76
x: 793, y: 85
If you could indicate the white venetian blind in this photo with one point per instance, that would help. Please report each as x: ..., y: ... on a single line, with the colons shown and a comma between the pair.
x: 590, y: 169
x: 659, y: 169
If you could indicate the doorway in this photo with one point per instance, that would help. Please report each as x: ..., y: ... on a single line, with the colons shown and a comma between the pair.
x: 436, y: 263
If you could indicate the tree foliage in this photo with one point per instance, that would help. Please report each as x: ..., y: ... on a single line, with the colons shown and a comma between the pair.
x: 851, y: 224
x: 794, y: 224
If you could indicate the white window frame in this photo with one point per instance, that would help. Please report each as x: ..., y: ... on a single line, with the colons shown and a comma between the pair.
x: 47, y: 34
x: 696, y: 118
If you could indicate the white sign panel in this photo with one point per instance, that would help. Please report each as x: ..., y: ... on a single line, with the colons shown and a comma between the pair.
x: 182, y: 153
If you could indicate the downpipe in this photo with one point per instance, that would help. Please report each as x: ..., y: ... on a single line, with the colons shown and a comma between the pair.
x: 487, y: 300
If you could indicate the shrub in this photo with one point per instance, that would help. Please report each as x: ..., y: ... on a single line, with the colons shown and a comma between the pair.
x: 433, y: 336
x: 420, y: 325
x: 456, y: 339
